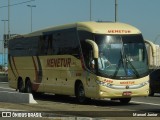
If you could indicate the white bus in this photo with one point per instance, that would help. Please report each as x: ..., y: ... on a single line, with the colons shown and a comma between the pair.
x: 67, y: 60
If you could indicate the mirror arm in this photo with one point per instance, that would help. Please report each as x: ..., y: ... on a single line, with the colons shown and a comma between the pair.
x: 95, y: 48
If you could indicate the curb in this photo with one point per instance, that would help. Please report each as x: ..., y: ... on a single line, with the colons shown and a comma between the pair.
x: 3, y: 78
x: 16, y: 97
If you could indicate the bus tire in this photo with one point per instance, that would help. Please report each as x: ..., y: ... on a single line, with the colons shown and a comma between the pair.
x: 20, y: 85
x: 28, y: 87
x: 125, y: 100
x: 151, y: 92
x: 80, y: 93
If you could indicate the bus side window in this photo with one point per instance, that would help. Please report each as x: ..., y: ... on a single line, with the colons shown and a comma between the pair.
x: 55, y: 47
x: 41, y: 46
x: 86, y: 48
x: 88, y: 55
x: 48, y: 44
x: 55, y: 43
x: 65, y: 42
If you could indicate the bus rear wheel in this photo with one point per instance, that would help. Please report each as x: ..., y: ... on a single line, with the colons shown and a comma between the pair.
x: 125, y: 100
x: 20, y: 86
x: 28, y: 87
x: 151, y: 92
x: 80, y: 93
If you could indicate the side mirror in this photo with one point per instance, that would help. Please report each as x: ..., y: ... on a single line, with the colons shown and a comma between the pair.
x: 95, y: 53
x: 153, y: 51
x: 94, y: 47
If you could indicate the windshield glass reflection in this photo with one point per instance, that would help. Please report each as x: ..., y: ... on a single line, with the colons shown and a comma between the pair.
x: 121, y: 56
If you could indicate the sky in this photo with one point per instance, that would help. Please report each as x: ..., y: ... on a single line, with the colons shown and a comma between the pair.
x: 143, y: 14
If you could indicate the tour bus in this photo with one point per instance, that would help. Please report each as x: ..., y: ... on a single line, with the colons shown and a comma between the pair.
x: 66, y: 60
x: 153, y: 51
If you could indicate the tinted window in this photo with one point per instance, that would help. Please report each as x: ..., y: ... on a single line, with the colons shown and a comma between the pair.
x: 86, y: 48
x: 23, y: 46
x: 61, y: 42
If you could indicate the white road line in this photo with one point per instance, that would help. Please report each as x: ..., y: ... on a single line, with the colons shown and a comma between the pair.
x: 4, y: 109
x: 7, y: 88
x: 3, y: 82
x: 145, y: 103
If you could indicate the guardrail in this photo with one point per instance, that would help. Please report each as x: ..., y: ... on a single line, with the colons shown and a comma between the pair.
x: 3, y: 78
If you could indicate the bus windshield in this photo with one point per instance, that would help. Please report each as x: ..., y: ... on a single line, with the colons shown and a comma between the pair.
x: 121, y: 56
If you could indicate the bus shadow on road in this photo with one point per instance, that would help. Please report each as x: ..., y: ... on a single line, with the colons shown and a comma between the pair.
x: 73, y: 100
x: 151, y: 111
x: 156, y: 95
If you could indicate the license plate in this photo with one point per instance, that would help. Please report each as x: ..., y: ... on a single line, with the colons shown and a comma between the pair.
x: 127, y: 93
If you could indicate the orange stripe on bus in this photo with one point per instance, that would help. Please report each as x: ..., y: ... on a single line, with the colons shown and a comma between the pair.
x: 10, y: 63
x: 35, y: 86
x: 15, y: 65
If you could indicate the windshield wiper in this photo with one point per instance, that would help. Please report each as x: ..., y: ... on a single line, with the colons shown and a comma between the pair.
x: 121, y: 61
x: 125, y: 61
x: 133, y: 68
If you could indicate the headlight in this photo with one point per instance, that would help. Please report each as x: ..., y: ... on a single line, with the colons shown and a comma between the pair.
x: 104, y: 83
x: 144, y: 83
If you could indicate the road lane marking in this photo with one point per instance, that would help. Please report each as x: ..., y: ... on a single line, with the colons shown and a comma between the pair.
x: 145, y: 103
x: 7, y: 88
x: 5, y: 109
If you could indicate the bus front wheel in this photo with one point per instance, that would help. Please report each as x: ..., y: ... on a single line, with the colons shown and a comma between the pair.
x: 125, y: 100
x: 28, y: 87
x: 151, y: 92
x: 80, y: 93
x: 20, y: 86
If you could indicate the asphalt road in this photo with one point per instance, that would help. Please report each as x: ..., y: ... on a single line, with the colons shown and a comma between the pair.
x: 52, y: 105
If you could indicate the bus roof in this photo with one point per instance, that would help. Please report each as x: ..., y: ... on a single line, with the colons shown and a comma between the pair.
x: 94, y: 27
x: 108, y: 28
